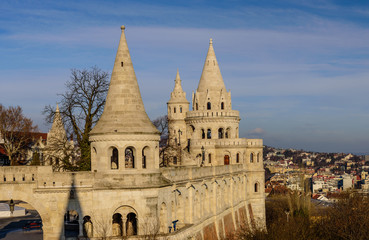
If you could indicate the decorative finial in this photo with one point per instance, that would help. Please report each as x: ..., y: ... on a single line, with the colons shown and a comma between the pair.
x: 122, y: 27
x: 211, y: 41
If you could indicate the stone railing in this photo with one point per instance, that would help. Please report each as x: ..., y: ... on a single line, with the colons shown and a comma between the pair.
x: 254, y: 142
x: 232, y: 113
x: 183, y: 174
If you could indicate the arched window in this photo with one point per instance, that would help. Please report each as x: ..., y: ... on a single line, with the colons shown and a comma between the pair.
x: 117, y: 225
x: 209, y: 133
x: 197, y: 106
x: 129, y: 158
x: 251, y: 157
x: 258, y: 157
x: 144, y: 157
x: 226, y: 159
x: 209, y: 106
x: 237, y: 158
x: 222, y: 105
x: 202, y: 134
x: 256, y: 187
x: 209, y: 157
x: 131, y: 224
x: 220, y: 133
x: 228, y: 133
x: 180, y: 109
x: 114, y: 159
x: 174, y: 110
x: 87, y: 227
x: 72, y: 217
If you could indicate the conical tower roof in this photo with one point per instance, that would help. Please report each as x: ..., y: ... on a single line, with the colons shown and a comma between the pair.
x: 124, y: 111
x: 178, y: 95
x: 211, y: 78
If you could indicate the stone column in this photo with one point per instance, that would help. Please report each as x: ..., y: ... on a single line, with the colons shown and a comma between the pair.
x: 124, y: 231
x: 80, y: 234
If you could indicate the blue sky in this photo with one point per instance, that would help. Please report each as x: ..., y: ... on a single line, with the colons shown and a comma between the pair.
x: 298, y: 70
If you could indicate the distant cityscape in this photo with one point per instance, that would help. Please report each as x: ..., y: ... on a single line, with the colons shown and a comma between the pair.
x: 324, y: 174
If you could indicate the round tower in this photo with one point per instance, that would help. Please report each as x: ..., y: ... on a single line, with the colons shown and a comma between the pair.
x: 212, y: 122
x: 178, y: 106
x: 124, y: 138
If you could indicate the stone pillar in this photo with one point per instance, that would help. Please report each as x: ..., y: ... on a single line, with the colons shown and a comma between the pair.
x: 138, y: 160
x: 80, y: 234
x: 124, y: 221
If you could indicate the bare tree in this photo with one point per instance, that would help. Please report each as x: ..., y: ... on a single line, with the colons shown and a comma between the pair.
x: 81, y: 107
x: 161, y: 123
x: 16, y: 130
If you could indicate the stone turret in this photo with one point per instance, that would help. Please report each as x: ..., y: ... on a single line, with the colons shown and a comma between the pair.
x: 124, y: 137
x: 211, y: 93
x: 178, y: 106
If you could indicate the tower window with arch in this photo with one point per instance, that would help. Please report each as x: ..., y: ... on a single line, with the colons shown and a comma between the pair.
x: 180, y: 109
x: 114, y: 159
x: 208, y: 106
x: 228, y: 133
x: 129, y: 158
x: 197, y: 106
x: 209, y: 157
x: 258, y: 157
x: 220, y: 133
x: 209, y: 133
x: 222, y: 105
x: 144, y: 152
x: 238, y: 158
x: 251, y: 157
x: 202, y: 133
x: 175, y: 110
x: 256, y: 187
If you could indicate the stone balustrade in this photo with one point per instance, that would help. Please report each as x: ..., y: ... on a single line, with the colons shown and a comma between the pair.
x: 232, y: 113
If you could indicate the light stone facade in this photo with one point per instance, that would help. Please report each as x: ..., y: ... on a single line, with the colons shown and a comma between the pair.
x: 126, y: 193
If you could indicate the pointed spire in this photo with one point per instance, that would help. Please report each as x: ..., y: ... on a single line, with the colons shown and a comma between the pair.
x: 124, y: 111
x: 57, y: 130
x: 178, y: 86
x: 178, y: 95
x: 211, y: 78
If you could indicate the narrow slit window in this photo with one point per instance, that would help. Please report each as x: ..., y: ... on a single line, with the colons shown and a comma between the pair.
x: 121, y: 64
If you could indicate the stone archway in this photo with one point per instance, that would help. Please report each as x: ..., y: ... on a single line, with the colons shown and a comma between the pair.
x: 125, y: 221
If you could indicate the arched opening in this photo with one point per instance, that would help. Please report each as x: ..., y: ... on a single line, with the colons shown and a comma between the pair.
x: 117, y: 225
x: 222, y: 105
x: 145, y: 152
x: 18, y: 214
x: 131, y: 224
x: 175, y: 110
x: 251, y: 157
x: 209, y: 133
x: 237, y: 158
x: 180, y: 109
x: 220, y: 133
x: 114, y: 159
x: 129, y: 160
x: 228, y: 133
x: 163, y: 218
x: 209, y: 157
x: 226, y: 159
x: 87, y: 227
x: 197, y: 106
x: 256, y: 187
x: 71, y: 224
x: 258, y: 157
x: 208, y: 106
x: 174, y: 160
x: 202, y: 133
